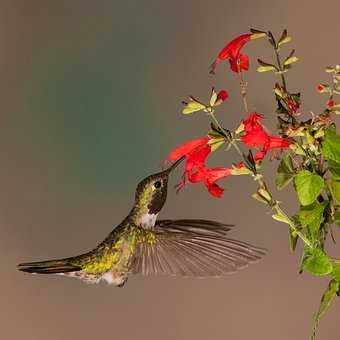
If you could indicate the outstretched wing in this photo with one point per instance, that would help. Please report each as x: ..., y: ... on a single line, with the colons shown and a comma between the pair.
x: 196, y: 248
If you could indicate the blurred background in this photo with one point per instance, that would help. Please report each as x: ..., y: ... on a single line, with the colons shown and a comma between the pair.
x: 90, y: 103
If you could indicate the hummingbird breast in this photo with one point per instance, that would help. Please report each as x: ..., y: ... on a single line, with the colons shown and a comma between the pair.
x: 148, y: 220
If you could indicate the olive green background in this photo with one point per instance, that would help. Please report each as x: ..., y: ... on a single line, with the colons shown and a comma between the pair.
x: 90, y: 104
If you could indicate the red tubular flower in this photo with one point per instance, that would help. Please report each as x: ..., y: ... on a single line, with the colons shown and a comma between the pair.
x: 232, y: 52
x: 209, y: 177
x: 185, y: 149
x: 196, y: 153
x: 256, y: 136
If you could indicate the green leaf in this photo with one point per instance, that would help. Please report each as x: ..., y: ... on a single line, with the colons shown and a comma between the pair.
x: 281, y: 218
x: 284, y: 38
x: 293, y: 237
x: 331, y: 146
x: 317, y: 262
x: 265, y: 67
x: 336, y: 270
x: 337, y: 218
x: 326, y: 301
x: 335, y: 189
x: 334, y: 168
x: 193, y: 106
x: 216, y: 143
x: 308, y: 186
x: 330, y: 69
x: 285, y: 172
x: 257, y: 33
x: 213, y: 97
x: 290, y: 60
x: 311, y: 216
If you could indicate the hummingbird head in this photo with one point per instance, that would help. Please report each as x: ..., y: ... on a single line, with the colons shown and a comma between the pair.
x: 152, y: 191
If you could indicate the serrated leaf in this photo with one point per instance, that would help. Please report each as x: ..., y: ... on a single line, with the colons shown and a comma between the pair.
x: 285, y: 172
x: 326, y: 301
x: 331, y: 146
x: 308, y: 186
x: 290, y: 60
x: 317, y: 262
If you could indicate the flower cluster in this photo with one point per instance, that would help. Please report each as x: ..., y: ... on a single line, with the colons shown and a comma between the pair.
x: 196, y: 153
x: 308, y: 151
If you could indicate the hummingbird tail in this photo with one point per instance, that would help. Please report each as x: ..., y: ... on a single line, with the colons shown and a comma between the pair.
x: 49, y: 267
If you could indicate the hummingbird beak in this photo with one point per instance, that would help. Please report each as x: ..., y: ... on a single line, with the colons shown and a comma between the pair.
x: 174, y: 165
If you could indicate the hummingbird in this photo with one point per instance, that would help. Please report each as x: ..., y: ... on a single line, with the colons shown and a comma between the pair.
x: 143, y: 244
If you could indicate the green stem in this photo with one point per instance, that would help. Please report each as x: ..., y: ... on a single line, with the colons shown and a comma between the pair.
x: 291, y: 224
x: 280, y: 68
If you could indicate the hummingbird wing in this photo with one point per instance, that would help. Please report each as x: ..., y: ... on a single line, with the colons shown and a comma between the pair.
x: 194, y: 248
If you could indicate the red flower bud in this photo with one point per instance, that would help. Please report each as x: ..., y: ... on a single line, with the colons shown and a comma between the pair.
x: 330, y: 104
x: 320, y: 88
x: 222, y: 95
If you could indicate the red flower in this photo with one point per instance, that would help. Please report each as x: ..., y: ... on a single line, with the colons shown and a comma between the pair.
x: 330, y: 104
x: 222, y: 95
x: 256, y: 136
x: 242, y: 63
x: 320, y: 88
x: 232, y: 51
x: 196, y: 152
x: 188, y: 147
x: 209, y: 178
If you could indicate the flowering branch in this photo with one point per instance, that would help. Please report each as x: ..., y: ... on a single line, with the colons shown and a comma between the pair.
x: 308, y: 151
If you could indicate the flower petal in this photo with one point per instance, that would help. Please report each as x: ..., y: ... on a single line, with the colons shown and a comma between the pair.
x: 231, y: 50
x: 187, y: 147
x: 240, y: 64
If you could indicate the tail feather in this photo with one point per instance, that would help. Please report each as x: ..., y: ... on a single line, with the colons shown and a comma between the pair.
x: 49, y: 267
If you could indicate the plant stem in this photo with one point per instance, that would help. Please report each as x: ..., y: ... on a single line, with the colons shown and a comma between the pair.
x: 277, y: 54
x: 291, y: 224
x: 243, y: 86
x: 259, y: 177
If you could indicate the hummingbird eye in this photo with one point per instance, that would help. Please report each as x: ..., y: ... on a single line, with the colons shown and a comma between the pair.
x: 157, y: 184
